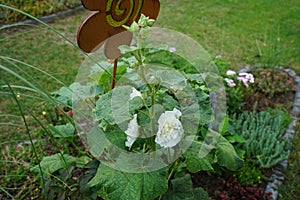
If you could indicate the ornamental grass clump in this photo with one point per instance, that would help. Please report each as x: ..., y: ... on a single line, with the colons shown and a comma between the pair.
x: 264, y: 132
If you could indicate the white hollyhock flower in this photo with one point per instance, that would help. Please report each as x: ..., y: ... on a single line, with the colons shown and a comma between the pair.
x: 170, y: 130
x: 132, y: 132
x: 134, y: 93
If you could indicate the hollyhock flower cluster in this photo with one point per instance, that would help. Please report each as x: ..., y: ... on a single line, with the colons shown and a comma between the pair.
x: 170, y: 130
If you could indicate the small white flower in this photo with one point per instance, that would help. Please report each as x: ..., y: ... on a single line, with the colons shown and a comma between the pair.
x: 134, y: 93
x: 230, y: 82
x: 132, y: 132
x: 251, y: 78
x: 218, y: 57
x: 170, y: 130
x: 230, y: 73
x: 172, y: 49
x: 244, y: 80
x: 243, y: 74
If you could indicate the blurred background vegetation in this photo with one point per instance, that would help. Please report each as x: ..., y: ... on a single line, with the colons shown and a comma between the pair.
x: 36, y: 8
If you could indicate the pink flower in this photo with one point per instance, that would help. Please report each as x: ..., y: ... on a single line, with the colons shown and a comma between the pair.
x: 230, y: 82
x: 230, y: 73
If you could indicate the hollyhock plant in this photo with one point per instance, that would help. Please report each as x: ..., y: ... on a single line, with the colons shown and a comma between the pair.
x: 152, y: 125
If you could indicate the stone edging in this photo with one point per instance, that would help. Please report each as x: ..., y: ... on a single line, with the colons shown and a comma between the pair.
x: 277, y: 177
x: 47, y: 18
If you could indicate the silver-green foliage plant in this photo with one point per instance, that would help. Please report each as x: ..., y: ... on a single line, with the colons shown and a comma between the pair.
x: 264, y: 132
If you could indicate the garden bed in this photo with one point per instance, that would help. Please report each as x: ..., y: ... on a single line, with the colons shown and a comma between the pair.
x: 257, y: 179
x: 284, y: 83
x: 284, y: 104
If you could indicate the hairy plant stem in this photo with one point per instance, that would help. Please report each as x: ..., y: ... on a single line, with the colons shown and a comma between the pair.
x: 139, y: 57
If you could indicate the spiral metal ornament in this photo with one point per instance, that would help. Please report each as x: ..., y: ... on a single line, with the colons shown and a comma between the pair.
x: 114, y: 8
x: 108, y: 21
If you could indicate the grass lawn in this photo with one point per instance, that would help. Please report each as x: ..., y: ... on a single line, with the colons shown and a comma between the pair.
x: 229, y: 28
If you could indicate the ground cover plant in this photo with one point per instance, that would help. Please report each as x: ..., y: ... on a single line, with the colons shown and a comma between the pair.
x: 62, y: 174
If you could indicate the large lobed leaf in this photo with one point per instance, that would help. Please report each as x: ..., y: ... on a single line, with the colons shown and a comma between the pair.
x: 116, y: 107
x: 51, y: 164
x: 114, y: 184
x: 201, y: 155
x: 194, y: 162
x: 226, y: 155
x: 63, y: 131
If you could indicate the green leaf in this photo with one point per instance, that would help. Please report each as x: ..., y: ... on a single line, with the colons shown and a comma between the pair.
x: 115, y: 107
x: 114, y: 184
x: 196, y: 78
x: 51, y: 164
x: 63, y: 95
x: 127, y: 49
x: 194, y: 161
x: 226, y: 155
x: 103, y: 111
x: 205, y: 110
x: 235, y: 138
x: 224, y: 126
x: 143, y: 118
x: 182, y: 189
x: 167, y: 101
x: 200, y: 194
x: 63, y: 131
x: 98, y: 141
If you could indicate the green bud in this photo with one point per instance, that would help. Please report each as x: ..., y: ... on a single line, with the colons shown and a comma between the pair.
x: 151, y: 22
